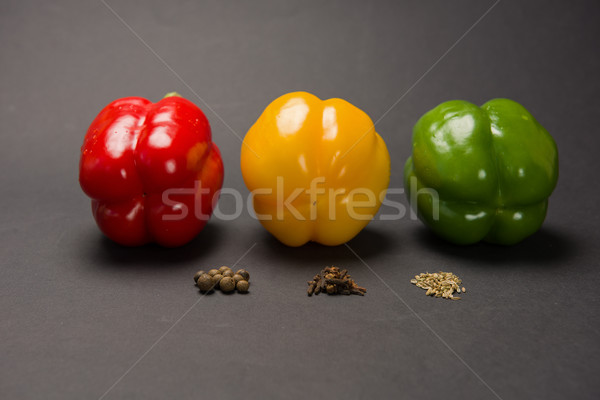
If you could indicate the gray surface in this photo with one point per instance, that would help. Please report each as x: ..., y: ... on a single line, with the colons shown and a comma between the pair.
x: 76, y: 311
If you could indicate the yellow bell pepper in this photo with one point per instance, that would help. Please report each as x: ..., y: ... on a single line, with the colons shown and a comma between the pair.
x: 316, y: 168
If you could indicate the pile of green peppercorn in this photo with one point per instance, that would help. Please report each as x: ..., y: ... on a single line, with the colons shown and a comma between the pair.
x: 224, y: 279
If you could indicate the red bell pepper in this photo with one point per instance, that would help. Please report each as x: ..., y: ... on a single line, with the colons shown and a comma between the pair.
x: 152, y: 171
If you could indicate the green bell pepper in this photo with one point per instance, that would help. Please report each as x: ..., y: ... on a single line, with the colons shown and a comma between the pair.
x: 481, y: 173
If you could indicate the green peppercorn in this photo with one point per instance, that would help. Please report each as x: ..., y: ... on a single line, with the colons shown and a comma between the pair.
x: 237, y: 278
x: 223, y: 269
x: 242, y: 286
x: 216, y: 279
x: 244, y: 274
x: 197, y: 275
x: 228, y: 273
x: 227, y: 284
x: 213, y: 272
x: 205, y: 283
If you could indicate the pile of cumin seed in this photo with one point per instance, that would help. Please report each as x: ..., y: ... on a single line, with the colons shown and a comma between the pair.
x: 439, y: 284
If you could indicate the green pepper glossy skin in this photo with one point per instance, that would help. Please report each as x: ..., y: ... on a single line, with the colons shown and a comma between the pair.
x: 493, y: 168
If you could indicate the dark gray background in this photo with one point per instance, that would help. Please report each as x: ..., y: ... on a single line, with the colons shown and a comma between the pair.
x: 77, y: 312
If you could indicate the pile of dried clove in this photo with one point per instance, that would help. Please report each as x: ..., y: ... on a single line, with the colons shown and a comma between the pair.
x: 333, y: 281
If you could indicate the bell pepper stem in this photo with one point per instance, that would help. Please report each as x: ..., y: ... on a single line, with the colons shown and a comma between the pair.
x: 171, y: 94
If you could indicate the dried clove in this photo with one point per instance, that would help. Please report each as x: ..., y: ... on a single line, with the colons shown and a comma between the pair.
x: 334, y: 281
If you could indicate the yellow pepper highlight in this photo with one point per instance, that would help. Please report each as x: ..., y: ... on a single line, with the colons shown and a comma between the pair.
x: 316, y: 168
